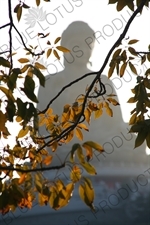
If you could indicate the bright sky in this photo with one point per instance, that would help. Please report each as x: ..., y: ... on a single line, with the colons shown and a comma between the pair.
x: 104, y: 19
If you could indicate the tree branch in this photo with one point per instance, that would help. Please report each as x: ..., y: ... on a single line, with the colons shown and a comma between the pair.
x: 6, y: 25
x: 10, y: 35
x: 67, y: 130
x: 10, y: 168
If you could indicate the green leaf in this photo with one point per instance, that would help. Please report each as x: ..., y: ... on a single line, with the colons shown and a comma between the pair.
x: 4, y: 62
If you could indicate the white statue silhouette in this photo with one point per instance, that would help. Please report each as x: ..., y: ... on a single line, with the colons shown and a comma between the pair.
x: 111, y: 132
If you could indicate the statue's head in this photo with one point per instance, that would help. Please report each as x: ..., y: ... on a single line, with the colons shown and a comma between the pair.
x: 79, y: 39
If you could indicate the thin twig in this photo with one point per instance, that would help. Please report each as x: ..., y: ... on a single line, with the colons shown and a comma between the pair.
x: 10, y: 35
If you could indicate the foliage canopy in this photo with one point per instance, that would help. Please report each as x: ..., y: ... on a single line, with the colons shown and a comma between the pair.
x: 20, y: 192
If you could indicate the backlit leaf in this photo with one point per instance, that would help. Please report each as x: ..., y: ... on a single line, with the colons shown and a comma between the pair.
x: 23, y: 132
x: 72, y: 153
x: 132, y: 41
x: 122, y: 69
x: 89, y: 151
x: 94, y: 145
x: 47, y: 160
x: 132, y: 119
x: 63, y: 49
x: 78, y: 133
x: 23, y: 60
x: 37, y: 2
x: 132, y: 67
x: 40, y: 66
x: 49, y: 51
x: 89, y: 168
x: 56, y: 54
x: 57, y: 40
x: 19, y: 13
x: 22, y: 178
x: 75, y: 174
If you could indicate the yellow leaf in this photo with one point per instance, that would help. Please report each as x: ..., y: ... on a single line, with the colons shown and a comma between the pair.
x: 22, y: 178
x: 133, y: 119
x: 37, y: 2
x: 98, y: 113
x: 89, y: 168
x: 122, y: 69
x: 75, y: 174
x: 79, y: 134
x: 57, y: 40
x: 23, y: 60
x: 54, y: 146
x: 47, y: 160
x: 67, y: 194
x: 8, y: 93
x: 40, y: 66
x: 113, y: 101
x: 18, y: 119
x: 63, y: 49
x: 56, y: 54
x: 108, y: 109
x: 19, y: 13
x: 23, y: 132
x: 94, y: 145
x: 49, y: 51
x: 86, y: 194
x: 89, y: 151
x: 132, y: 41
x: 82, y: 125
x: 111, y: 70
x: 49, y: 111
x: 87, y: 115
x: 80, y: 154
x: 116, y: 53
x: 132, y: 67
